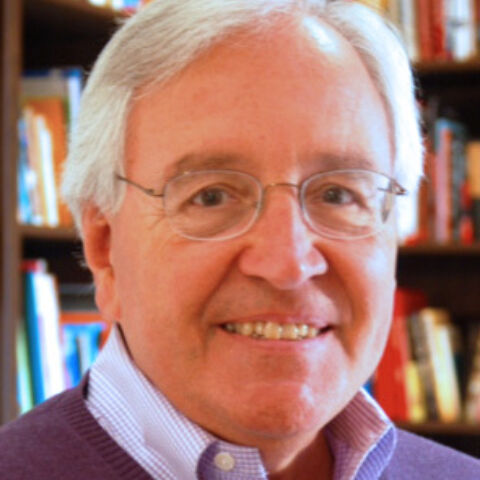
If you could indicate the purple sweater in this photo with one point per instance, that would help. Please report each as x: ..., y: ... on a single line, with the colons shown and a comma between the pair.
x: 61, y: 440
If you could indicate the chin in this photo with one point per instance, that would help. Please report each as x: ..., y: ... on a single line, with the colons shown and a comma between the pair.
x: 279, y: 413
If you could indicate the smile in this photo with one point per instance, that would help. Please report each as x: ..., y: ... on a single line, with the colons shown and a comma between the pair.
x: 275, y: 331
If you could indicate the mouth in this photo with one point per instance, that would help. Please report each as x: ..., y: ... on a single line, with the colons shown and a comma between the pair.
x: 275, y: 331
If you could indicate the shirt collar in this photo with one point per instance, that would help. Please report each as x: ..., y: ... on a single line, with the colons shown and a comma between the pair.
x: 150, y: 429
x: 139, y: 417
x: 362, y: 439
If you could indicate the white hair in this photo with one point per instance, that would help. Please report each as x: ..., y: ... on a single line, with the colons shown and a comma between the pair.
x: 167, y: 35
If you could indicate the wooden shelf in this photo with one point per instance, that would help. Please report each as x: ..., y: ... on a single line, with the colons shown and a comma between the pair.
x: 30, y: 232
x: 65, y: 32
x: 436, y: 249
x: 447, y: 67
x: 68, y: 16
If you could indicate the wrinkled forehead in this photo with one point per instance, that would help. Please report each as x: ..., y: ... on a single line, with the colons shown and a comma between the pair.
x: 283, y: 68
x: 311, y: 37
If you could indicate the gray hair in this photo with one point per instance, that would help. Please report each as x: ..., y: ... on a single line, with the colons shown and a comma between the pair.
x: 167, y: 35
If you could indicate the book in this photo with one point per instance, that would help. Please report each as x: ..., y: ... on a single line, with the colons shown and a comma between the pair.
x: 123, y: 5
x: 86, y: 317
x: 65, y: 83
x: 407, y: 23
x: 45, y: 132
x: 41, y: 316
x: 27, y: 209
x: 473, y: 181
x: 50, y: 102
x: 51, y: 351
x: 32, y: 327
x: 82, y: 344
x: 380, y: 6
x: 422, y: 356
x: 472, y: 394
x: 438, y: 27
x: 448, y: 179
x: 84, y: 331
x: 425, y: 30
x: 435, y: 323
x: 394, y: 385
x: 435, y: 30
x: 24, y: 377
x: 460, y: 31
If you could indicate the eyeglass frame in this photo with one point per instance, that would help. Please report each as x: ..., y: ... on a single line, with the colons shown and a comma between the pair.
x: 396, y: 189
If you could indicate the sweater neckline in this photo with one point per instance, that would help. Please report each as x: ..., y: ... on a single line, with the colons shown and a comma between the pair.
x: 79, y: 418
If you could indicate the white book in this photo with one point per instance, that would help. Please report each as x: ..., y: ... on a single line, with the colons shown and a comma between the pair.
x: 48, y: 172
x: 461, y: 28
x: 48, y: 309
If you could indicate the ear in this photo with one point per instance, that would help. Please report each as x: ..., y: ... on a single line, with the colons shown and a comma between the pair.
x: 97, y: 249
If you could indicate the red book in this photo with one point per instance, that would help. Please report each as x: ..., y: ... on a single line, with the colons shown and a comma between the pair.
x: 438, y: 30
x: 424, y: 27
x: 390, y: 382
x: 442, y: 181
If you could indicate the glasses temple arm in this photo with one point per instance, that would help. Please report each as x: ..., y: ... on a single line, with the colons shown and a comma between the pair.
x: 148, y: 191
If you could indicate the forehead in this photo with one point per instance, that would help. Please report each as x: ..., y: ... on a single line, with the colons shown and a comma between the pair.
x: 297, y: 93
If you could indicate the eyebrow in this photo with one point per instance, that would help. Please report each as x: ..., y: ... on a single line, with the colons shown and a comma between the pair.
x: 219, y: 160
x: 335, y: 161
x: 206, y: 161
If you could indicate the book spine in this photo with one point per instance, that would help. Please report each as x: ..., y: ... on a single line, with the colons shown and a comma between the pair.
x: 33, y: 337
x: 438, y: 29
x: 421, y: 354
x: 391, y: 385
x: 473, y: 180
x: 424, y: 27
x: 442, y: 181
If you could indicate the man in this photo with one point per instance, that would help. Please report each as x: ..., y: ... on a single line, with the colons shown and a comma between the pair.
x: 233, y: 174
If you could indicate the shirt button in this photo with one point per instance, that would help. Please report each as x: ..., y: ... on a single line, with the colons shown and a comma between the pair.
x: 224, y: 461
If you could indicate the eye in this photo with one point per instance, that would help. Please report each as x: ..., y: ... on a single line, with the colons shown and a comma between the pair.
x: 337, y: 195
x: 211, y: 197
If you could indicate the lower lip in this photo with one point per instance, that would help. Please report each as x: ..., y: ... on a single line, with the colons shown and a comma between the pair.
x: 306, y: 343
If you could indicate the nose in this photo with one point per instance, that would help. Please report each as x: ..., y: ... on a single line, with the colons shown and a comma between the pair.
x: 281, y: 248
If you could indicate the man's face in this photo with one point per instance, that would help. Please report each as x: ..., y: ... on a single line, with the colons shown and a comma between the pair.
x: 281, y: 108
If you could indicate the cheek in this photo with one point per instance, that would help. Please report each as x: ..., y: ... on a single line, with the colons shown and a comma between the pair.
x: 370, y: 287
x: 165, y: 283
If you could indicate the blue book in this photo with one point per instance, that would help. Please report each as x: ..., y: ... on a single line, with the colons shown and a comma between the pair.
x: 71, y: 355
x: 81, y: 347
x: 33, y: 331
x: 24, y: 183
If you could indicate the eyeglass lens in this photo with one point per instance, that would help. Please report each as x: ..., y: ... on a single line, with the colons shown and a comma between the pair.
x: 221, y: 204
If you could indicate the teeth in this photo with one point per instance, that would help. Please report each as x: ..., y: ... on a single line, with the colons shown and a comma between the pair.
x: 244, y: 329
x: 273, y: 331
x: 259, y: 327
x: 303, y: 330
x: 312, y: 332
x: 290, y: 332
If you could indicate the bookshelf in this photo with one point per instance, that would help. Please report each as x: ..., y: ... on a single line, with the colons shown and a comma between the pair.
x: 45, y: 33
x: 36, y: 34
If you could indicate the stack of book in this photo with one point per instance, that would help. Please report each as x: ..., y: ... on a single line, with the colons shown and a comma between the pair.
x: 434, y: 30
x: 59, y: 337
x: 121, y: 5
x: 448, y: 204
x: 421, y: 376
x: 49, y: 102
x: 472, y: 400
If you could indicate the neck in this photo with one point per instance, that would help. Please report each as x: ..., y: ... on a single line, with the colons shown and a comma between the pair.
x: 300, y: 462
